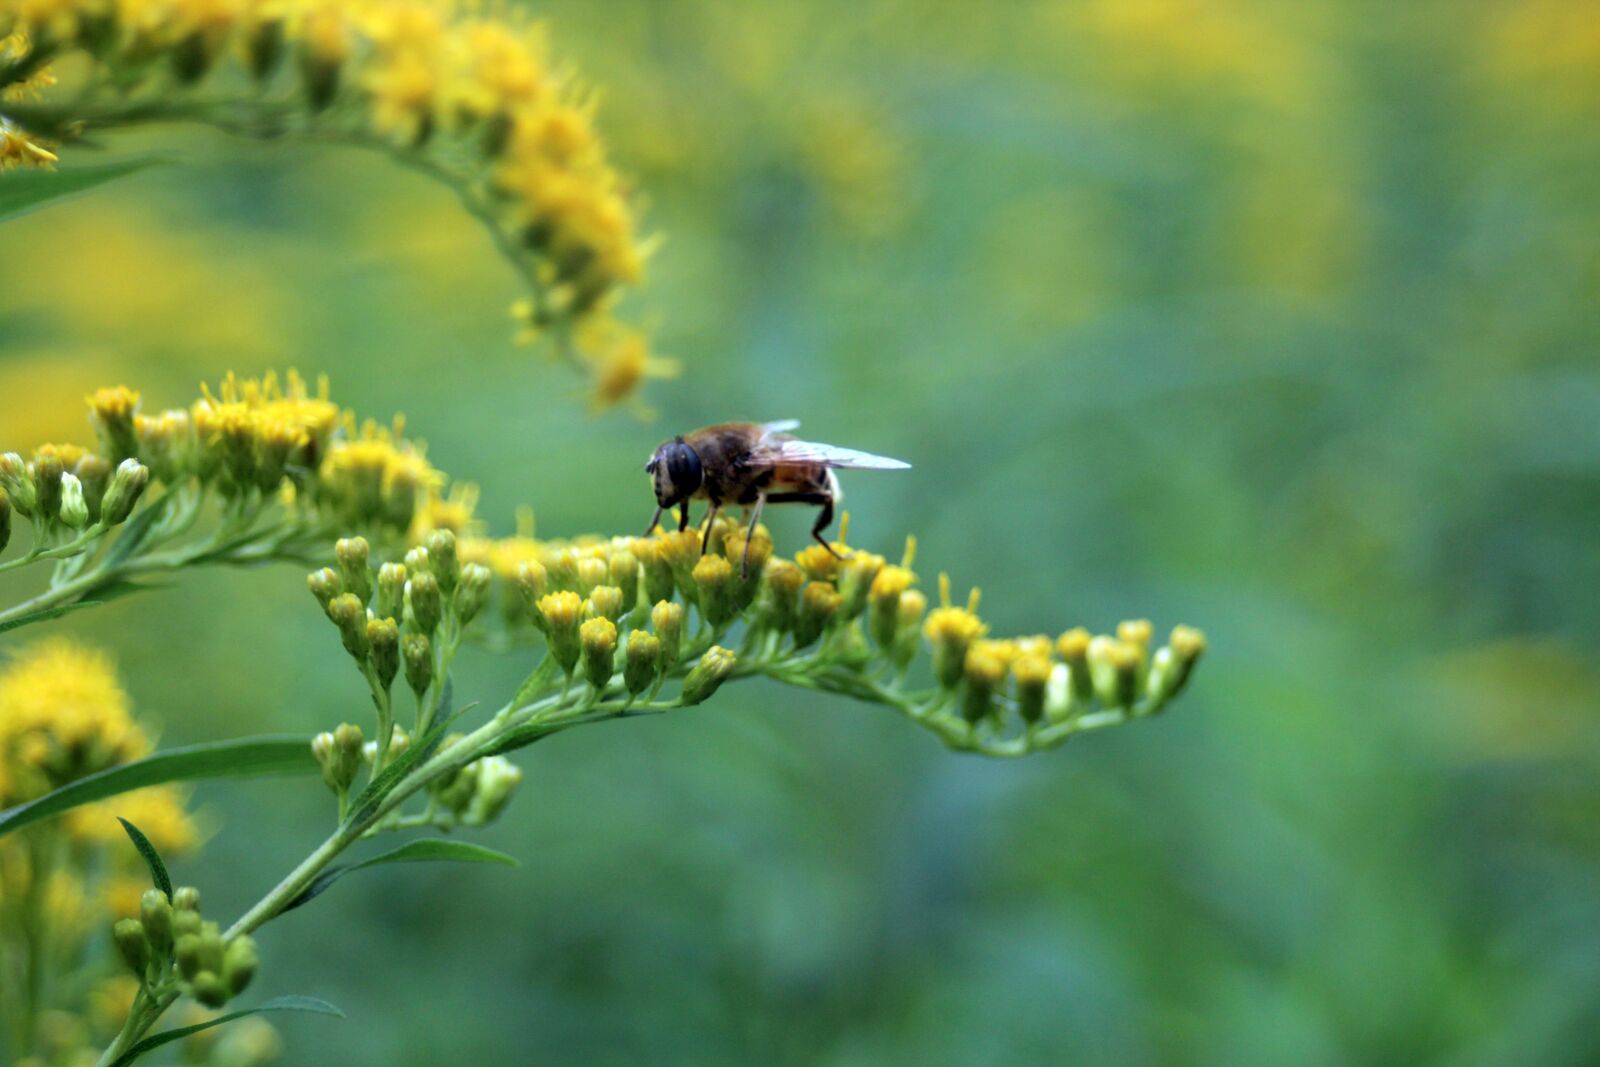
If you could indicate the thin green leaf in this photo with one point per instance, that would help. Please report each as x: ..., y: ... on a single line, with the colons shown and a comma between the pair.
x: 136, y: 530
x: 243, y: 758
x: 418, y: 751
x: 152, y: 858
x: 294, y: 1002
x: 21, y: 191
x: 424, y: 850
x: 44, y: 614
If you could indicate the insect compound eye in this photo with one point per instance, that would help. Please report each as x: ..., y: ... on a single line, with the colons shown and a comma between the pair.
x: 683, y: 468
x: 651, y: 465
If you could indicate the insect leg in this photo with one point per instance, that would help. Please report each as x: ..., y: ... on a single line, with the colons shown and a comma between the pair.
x: 654, y: 519
x: 755, y: 517
x: 824, y: 517
x: 705, y: 535
x: 683, y: 516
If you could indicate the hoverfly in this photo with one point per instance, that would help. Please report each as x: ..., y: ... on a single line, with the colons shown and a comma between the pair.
x: 752, y: 464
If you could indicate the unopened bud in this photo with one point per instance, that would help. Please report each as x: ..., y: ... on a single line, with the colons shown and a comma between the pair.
x: 417, y: 651
x: 605, y: 601
x: 531, y: 580
x: 1032, y: 674
x: 784, y: 580
x: 74, y: 509
x: 713, y: 578
x: 186, y: 898
x: 17, y: 481
x: 417, y: 560
x: 819, y: 603
x: 442, y: 555
x: 666, y: 618
x: 324, y: 585
x: 350, y: 617
x: 184, y: 922
x: 707, y: 676
x: 1171, y: 666
x: 127, y: 485
x: 1113, y: 667
x: 391, y: 591
x: 155, y: 912
x: 883, y: 617
x: 591, y: 572
x: 239, y: 963
x: 47, y: 471
x: 473, y: 591
x: 951, y: 632
x: 383, y: 638
x: 983, y: 669
x: 913, y: 605
x: 856, y: 575
x: 599, y: 639
x: 353, y: 555
x: 625, y: 576
x: 132, y: 945
x: 1073, y: 648
x: 642, y: 661
x: 424, y: 600
x: 658, y: 580
x: 498, y: 778
x: 209, y: 989
x: 562, y: 614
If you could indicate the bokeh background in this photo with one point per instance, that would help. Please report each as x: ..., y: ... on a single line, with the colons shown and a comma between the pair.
x: 1275, y: 318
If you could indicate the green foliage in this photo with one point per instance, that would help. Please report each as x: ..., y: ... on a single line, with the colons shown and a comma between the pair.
x: 291, y: 1002
x: 28, y: 190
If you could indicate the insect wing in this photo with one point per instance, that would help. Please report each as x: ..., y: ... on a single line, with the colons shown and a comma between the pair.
x: 833, y: 456
x: 781, y: 426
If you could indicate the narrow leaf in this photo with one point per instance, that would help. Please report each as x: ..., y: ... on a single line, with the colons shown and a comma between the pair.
x: 21, y: 191
x: 158, y: 870
x: 295, y: 1002
x: 137, y: 529
x: 44, y: 614
x: 418, y: 751
x: 424, y: 850
x: 243, y: 758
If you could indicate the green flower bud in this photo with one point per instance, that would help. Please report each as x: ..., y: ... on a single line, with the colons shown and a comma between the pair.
x: 856, y: 575
x: 74, y: 509
x: 338, y: 754
x: 605, y: 601
x: 155, y: 912
x: 707, y: 676
x: 355, y: 572
x: 94, y: 474
x: 417, y: 561
x: 184, y: 922
x: 984, y: 670
x: 819, y: 603
x: 424, y: 600
x: 1114, y: 670
x: 391, y: 591
x: 324, y: 585
x: 498, y: 778
x: 913, y: 605
x: 239, y: 963
x: 47, y: 471
x: 531, y: 580
x: 454, y: 791
x: 209, y: 989
x: 132, y: 945
x: 713, y: 577
x: 112, y: 412
x: 625, y: 576
x: 591, y: 572
x: 442, y: 554
x: 1073, y: 648
x: 264, y: 48
x: 417, y: 651
x: 883, y: 601
x: 658, y: 579
x: 350, y: 617
x: 127, y: 485
x: 666, y: 618
x: 784, y: 580
x: 562, y: 612
x: 1032, y: 675
x: 599, y: 639
x: 1171, y: 665
x: 473, y: 591
x: 642, y: 661
x: 186, y: 898
x: 5, y: 519
x: 563, y: 570
x: 188, y: 951
x: 17, y: 481
x: 383, y: 638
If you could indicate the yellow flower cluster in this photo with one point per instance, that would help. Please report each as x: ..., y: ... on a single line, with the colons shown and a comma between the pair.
x: 459, y: 89
x: 254, y: 440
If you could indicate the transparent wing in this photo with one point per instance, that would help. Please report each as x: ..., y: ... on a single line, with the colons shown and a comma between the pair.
x: 781, y: 426
x: 843, y: 458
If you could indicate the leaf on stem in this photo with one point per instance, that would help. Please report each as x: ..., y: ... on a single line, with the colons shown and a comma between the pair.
x: 293, y: 1002
x: 152, y: 858
x: 24, y: 190
x: 425, y: 850
x: 246, y: 757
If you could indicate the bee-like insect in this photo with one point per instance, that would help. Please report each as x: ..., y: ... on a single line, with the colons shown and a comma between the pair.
x: 752, y: 464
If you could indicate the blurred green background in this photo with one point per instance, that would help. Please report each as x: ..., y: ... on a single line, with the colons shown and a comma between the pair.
x: 1277, y: 318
